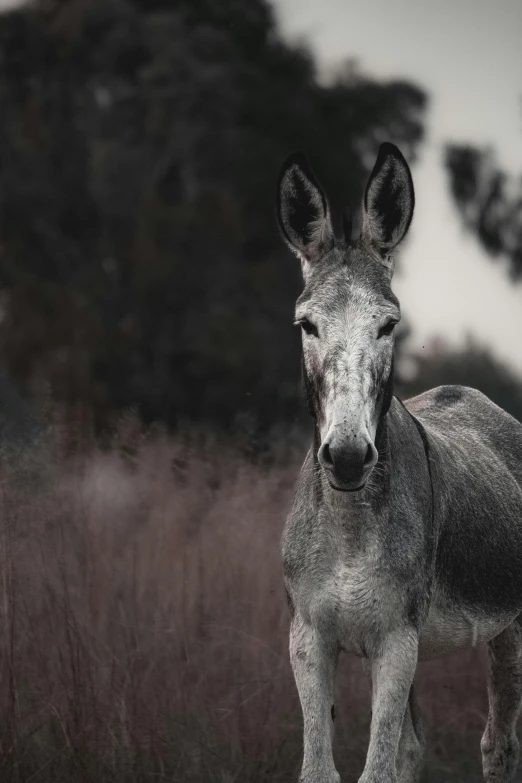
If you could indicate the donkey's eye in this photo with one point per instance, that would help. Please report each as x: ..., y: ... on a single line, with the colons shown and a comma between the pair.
x: 387, y: 328
x: 307, y: 326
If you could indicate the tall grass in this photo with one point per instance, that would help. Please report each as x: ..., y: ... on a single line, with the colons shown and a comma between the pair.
x: 144, y: 624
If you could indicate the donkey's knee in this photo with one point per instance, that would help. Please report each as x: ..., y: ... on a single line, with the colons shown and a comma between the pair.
x: 499, y: 755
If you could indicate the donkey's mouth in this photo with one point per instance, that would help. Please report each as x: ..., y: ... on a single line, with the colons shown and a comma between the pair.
x: 347, y: 489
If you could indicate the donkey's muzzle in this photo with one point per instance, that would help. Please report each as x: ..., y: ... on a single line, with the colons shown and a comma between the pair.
x: 347, y: 465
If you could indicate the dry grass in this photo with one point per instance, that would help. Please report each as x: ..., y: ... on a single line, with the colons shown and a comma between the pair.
x: 144, y: 623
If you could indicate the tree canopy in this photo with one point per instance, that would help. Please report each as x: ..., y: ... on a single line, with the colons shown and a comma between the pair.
x: 140, y: 143
x: 489, y: 202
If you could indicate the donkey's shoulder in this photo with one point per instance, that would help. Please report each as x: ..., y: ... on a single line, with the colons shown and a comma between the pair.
x: 457, y: 416
x: 476, y: 459
x: 464, y: 421
x: 468, y: 407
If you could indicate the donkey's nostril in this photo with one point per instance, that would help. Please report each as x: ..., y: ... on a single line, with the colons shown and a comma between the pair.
x: 347, y: 462
x: 369, y: 456
x: 327, y: 455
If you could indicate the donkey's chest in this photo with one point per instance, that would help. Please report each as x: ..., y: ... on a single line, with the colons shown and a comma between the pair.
x: 350, y: 603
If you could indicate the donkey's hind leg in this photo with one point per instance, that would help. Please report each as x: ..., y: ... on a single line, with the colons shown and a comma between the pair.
x: 411, y: 744
x: 499, y: 743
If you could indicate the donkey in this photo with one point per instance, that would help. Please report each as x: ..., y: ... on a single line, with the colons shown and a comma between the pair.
x: 404, y: 541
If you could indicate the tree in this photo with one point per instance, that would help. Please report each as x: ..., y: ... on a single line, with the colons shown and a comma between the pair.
x: 140, y: 145
x: 487, y: 204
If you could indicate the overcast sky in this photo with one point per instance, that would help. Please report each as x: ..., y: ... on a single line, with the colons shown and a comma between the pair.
x: 5, y: 5
x: 467, y: 54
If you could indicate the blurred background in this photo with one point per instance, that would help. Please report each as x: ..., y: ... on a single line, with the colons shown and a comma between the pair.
x: 150, y: 406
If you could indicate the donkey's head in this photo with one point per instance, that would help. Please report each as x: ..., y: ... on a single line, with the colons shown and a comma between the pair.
x: 347, y: 311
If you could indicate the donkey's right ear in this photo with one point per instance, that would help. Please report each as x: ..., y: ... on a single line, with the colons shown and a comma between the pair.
x: 302, y: 210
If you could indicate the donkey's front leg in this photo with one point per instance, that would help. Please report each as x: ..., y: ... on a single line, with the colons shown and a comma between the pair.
x: 392, y: 671
x: 314, y: 661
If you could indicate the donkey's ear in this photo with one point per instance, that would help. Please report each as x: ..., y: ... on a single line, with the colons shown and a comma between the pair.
x: 389, y: 200
x: 302, y: 210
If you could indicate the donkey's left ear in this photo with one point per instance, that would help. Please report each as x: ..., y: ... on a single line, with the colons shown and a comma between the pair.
x: 389, y: 200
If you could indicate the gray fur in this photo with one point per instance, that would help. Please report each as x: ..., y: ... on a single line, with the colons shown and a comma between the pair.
x: 426, y: 558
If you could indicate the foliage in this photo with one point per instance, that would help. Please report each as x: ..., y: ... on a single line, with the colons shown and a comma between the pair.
x: 487, y: 202
x: 140, y: 145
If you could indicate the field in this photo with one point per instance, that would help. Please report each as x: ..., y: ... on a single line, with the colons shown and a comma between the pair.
x: 144, y: 624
